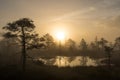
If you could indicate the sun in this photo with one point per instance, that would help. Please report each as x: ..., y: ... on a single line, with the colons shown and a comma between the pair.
x: 60, y: 35
x: 60, y: 32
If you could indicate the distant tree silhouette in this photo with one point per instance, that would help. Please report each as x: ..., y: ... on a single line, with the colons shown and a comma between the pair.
x: 70, y: 44
x: 92, y: 46
x: 23, y: 31
x: 108, y: 51
x: 9, y: 50
x: 48, y: 40
x: 102, y: 43
x: 117, y: 43
x: 96, y: 43
x: 83, y: 45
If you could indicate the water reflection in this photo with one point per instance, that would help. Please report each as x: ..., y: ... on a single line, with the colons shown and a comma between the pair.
x: 63, y: 61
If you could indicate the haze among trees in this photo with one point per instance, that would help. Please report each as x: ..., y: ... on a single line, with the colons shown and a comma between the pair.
x: 21, y: 43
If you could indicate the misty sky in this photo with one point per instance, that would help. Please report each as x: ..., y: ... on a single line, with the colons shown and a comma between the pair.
x: 79, y: 18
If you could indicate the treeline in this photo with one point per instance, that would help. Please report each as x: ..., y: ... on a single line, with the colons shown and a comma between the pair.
x: 48, y: 42
x: 20, y: 40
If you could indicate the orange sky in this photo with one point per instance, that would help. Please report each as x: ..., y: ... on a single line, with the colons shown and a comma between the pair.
x: 79, y: 18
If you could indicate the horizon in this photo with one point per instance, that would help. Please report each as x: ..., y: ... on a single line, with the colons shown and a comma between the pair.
x: 60, y: 39
x: 79, y: 18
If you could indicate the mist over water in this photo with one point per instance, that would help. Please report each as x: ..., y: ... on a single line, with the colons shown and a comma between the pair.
x: 64, y: 61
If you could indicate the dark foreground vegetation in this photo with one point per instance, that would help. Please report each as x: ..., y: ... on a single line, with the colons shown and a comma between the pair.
x: 41, y: 72
x: 20, y: 42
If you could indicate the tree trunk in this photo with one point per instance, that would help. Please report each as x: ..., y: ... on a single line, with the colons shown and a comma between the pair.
x: 84, y: 58
x: 60, y: 46
x: 109, y: 60
x: 23, y: 50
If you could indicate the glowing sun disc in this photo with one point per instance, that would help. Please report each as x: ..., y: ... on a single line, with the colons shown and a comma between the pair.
x: 60, y: 35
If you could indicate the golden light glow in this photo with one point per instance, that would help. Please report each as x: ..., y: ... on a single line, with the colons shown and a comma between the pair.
x: 59, y: 31
x: 60, y: 35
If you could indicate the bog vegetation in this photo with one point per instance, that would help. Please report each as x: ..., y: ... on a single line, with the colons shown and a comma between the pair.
x: 21, y: 44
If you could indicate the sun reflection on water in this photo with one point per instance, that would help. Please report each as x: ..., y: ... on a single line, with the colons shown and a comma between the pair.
x: 63, y: 61
x: 72, y: 62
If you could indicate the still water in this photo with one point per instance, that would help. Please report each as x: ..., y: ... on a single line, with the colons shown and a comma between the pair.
x: 63, y: 61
